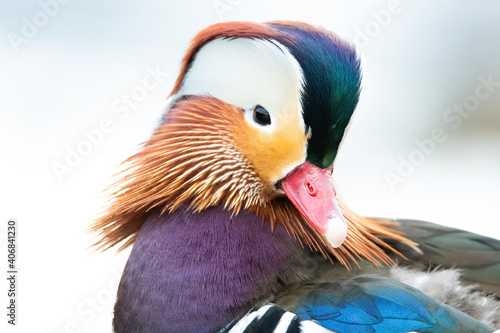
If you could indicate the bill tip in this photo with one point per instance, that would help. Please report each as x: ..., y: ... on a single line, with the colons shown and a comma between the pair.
x: 336, y: 231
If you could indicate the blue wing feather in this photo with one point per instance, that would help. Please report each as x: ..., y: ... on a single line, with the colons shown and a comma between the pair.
x: 380, y: 304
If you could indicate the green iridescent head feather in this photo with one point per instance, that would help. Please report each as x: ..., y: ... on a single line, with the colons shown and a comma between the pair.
x: 332, y: 74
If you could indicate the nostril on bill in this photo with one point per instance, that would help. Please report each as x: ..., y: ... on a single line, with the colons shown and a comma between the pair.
x: 311, y: 189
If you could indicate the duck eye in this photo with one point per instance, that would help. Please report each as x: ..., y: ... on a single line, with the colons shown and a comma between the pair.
x: 261, y: 116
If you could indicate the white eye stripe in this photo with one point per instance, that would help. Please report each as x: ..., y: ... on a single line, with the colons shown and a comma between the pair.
x: 248, y: 72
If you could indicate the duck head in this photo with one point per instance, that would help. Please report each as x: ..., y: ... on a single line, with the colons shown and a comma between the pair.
x: 257, y: 116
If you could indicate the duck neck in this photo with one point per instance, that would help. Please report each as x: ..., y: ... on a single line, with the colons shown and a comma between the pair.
x: 193, y: 272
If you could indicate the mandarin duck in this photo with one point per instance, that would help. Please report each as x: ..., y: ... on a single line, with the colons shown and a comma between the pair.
x: 233, y: 216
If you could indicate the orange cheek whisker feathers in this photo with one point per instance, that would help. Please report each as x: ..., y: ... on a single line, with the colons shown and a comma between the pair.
x: 194, y: 161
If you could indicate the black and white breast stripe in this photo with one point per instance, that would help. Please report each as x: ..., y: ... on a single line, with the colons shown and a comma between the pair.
x: 271, y: 318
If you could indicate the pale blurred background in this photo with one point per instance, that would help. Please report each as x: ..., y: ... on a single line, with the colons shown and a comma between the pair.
x: 64, y: 78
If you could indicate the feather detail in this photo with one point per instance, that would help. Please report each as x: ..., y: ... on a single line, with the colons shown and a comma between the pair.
x: 371, y: 303
x: 447, y: 286
x: 192, y: 159
x: 227, y: 30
